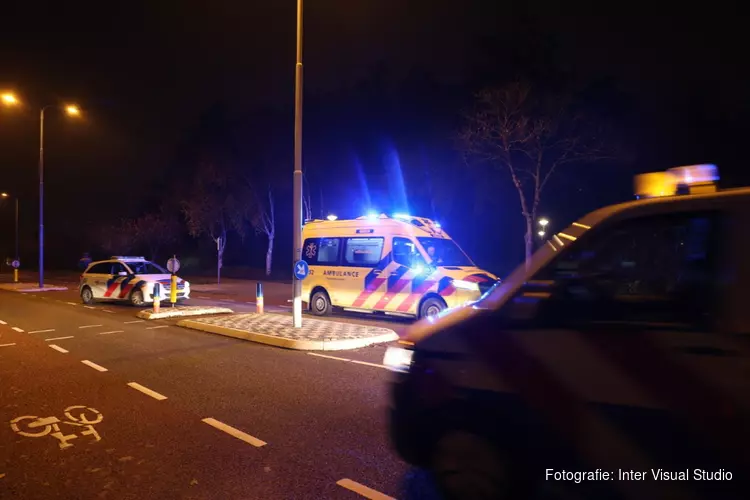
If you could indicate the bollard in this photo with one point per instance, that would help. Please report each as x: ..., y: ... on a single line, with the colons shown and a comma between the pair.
x: 259, y: 298
x: 15, y: 275
x: 173, y: 289
x: 157, y: 297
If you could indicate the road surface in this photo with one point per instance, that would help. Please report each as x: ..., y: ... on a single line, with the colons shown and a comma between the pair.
x: 184, y: 414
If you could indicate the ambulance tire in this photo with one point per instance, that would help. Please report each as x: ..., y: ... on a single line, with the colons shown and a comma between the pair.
x: 468, y: 466
x: 87, y: 296
x: 431, y: 307
x: 320, y: 304
x: 136, y: 298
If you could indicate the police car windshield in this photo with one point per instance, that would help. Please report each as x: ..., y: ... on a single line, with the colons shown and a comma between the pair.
x: 143, y: 267
x: 445, y: 252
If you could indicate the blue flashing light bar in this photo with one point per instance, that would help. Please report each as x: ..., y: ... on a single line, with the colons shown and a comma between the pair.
x: 372, y: 215
x: 331, y: 217
x: 402, y: 216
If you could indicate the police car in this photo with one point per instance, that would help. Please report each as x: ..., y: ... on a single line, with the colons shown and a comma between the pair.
x: 131, y: 279
x: 398, y: 265
x: 615, y: 365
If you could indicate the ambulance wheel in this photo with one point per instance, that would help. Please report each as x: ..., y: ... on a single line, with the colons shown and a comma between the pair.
x: 87, y: 296
x: 320, y: 304
x: 136, y: 298
x: 431, y: 307
x: 468, y: 467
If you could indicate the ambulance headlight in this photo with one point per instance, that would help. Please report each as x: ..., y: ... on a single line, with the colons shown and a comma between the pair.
x: 398, y: 359
x: 466, y: 285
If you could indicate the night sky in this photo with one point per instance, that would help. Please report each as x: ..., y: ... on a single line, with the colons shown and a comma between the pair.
x: 384, y: 79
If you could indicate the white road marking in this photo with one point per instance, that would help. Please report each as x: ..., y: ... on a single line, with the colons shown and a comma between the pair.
x: 131, y: 322
x: 113, y: 331
x: 43, y: 331
x: 234, y: 432
x: 146, y: 390
x: 3, y: 322
x: 72, y: 303
x: 362, y: 490
x: 249, y: 302
x: 201, y: 297
x: 7, y: 345
x: 93, y: 365
x: 90, y: 326
x: 108, y: 311
x: 59, y: 338
x: 366, y: 363
x: 89, y: 307
x: 19, y: 330
x: 58, y: 348
x: 227, y: 300
x: 286, y: 307
x: 155, y: 327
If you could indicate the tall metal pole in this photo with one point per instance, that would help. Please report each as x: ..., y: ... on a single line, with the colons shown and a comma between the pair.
x: 41, y: 198
x: 297, y: 284
x: 16, y: 227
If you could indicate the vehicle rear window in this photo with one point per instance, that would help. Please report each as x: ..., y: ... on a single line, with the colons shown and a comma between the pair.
x: 321, y: 251
x: 101, y: 268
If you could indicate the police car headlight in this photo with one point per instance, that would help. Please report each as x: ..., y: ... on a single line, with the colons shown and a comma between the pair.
x: 466, y: 285
x: 398, y: 359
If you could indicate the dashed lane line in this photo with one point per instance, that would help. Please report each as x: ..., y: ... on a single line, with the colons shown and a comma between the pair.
x: 108, y: 311
x: 3, y: 322
x: 147, y: 391
x: 58, y: 348
x: 131, y: 322
x: 94, y: 365
x: 89, y: 307
x: 155, y: 327
x: 355, y: 361
x: 362, y: 490
x: 7, y: 345
x: 71, y: 303
x: 113, y: 331
x: 16, y: 329
x: 89, y: 326
x: 242, y: 436
x: 59, y: 338
x: 43, y: 331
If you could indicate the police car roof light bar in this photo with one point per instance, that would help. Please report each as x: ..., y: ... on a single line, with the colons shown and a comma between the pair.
x: 126, y: 257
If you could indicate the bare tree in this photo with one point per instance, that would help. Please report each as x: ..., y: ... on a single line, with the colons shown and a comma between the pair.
x: 155, y: 230
x: 529, y: 138
x: 214, y: 206
x: 306, y: 200
x: 265, y: 223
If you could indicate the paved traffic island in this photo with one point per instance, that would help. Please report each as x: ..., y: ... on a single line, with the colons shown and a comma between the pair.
x: 180, y: 311
x: 278, y: 330
x: 31, y: 287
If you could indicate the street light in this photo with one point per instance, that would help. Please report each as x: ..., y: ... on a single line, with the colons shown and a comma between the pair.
x: 70, y: 110
x: 297, y: 240
x: 543, y: 222
x: 9, y: 99
x: 15, y: 270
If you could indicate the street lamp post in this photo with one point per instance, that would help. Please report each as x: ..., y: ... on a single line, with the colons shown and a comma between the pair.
x: 297, y: 240
x: 72, y: 111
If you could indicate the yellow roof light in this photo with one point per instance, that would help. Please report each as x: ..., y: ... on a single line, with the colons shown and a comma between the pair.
x: 693, y: 178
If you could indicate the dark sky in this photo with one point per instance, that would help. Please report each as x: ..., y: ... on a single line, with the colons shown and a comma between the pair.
x: 146, y: 71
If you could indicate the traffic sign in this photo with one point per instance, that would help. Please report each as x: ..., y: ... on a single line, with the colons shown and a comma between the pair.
x: 301, y: 269
x: 173, y: 265
x: 16, y: 264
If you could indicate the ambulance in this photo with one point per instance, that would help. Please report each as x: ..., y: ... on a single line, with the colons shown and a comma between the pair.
x: 616, y: 364
x: 395, y: 265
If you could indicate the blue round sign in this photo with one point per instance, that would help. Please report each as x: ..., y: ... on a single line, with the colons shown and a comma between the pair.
x: 301, y: 269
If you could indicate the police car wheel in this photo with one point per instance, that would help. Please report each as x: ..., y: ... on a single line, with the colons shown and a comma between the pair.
x: 87, y: 296
x: 468, y: 467
x: 431, y: 307
x: 136, y: 298
x: 320, y: 304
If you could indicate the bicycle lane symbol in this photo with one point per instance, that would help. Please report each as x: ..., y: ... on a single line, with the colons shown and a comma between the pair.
x: 79, y: 417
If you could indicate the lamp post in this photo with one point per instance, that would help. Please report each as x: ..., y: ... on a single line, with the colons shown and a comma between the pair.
x: 71, y: 110
x: 297, y: 240
x: 6, y: 195
x: 543, y: 223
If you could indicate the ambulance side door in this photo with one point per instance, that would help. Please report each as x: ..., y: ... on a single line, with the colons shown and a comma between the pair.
x: 323, y: 257
x: 366, y: 265
x: 408, y: 263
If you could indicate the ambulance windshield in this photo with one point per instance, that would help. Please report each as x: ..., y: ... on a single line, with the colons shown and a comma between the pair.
x: 444, y: 252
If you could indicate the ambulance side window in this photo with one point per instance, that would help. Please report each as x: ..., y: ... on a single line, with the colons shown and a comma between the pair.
x: 321, y: 251
x: 363, y: 252
x: 657, y: 269
x: 403, y: 251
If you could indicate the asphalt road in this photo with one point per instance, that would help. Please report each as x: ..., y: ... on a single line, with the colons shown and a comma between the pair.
x: 300, y: 425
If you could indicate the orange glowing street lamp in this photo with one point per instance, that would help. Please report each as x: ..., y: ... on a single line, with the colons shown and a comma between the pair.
x: 9, y: 99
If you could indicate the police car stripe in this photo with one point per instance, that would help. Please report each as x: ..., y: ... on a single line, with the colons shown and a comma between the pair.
x: 112, y: 286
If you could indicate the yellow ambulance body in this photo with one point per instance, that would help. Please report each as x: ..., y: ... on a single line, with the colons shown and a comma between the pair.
x: 400, y: 265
